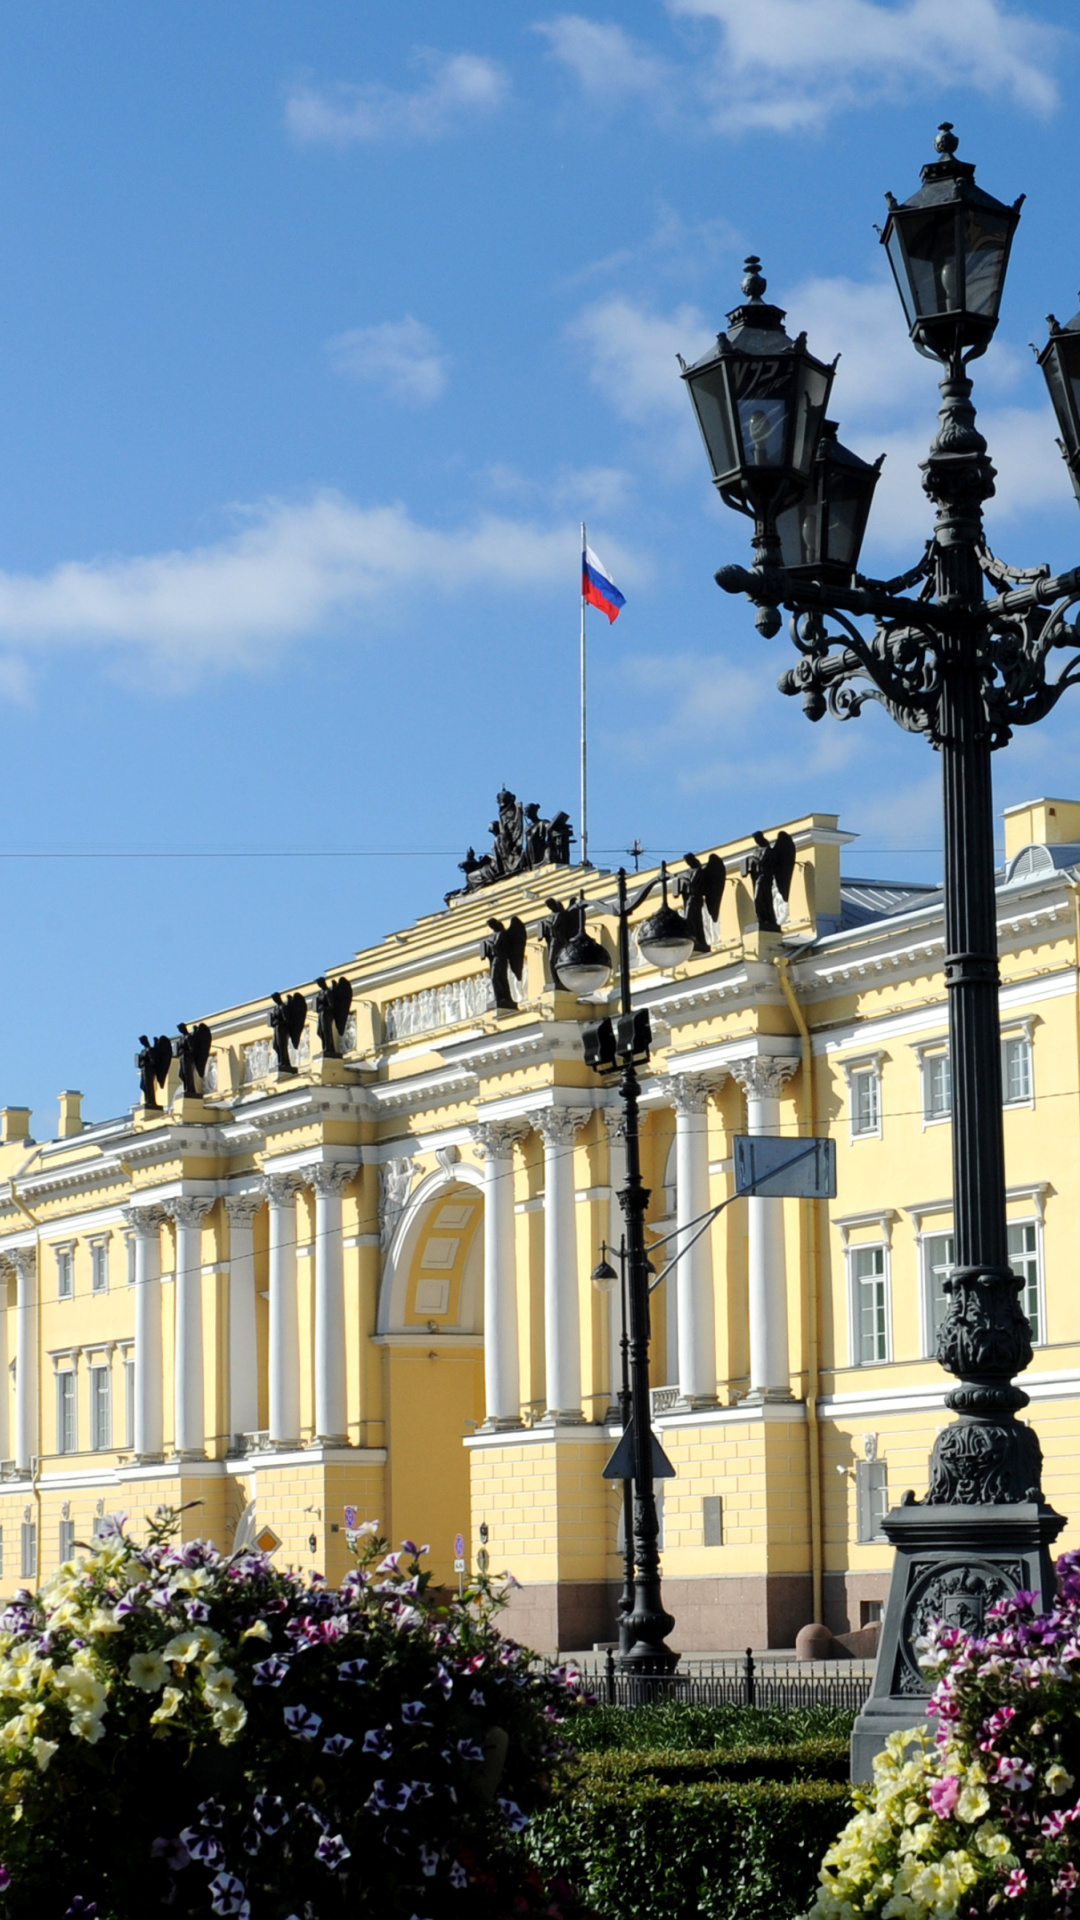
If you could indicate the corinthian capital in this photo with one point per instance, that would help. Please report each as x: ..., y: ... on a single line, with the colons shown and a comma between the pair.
x: 761, y: 1076
x: 242, y: 1207
x: 495, y: 1138
x: 690, y: 1091
x: 280, y: 1189
x: 190, y: 1210
x: 333, y: 1176
x: 558, y: 1125
x: 25, y: 1261
x: 145, y: 1222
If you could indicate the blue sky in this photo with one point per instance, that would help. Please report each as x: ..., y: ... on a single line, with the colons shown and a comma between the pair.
x: 321, y: 328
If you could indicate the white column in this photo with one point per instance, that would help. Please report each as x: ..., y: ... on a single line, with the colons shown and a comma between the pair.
x: 149, y: 1436
x: 280, y: 1191
x: 5, y: 1377
x: 562, y: 1321
x: 26, y: 1358
x: 692, y: 1277
x: 243, y: 1362
x: 502, y: 1378
x: 331, y: 1412
x: 761, y: 1078
x: 189, y: 1411
x: 615, y: 1122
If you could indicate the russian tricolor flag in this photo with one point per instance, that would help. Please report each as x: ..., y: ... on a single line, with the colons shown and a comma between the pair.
x: 597, y: 587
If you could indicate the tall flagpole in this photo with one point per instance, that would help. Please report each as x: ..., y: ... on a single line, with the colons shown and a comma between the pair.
x: 584, y: 749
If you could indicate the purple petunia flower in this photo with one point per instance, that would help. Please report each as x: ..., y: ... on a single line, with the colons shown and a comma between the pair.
x: 512, y: 1814
x: 445, y: 1680
x: 353, y: 1670
x: 5, y: 1879
x: 377, y: 1740
x: 302, y: 1723
x: 385, y: 1797
x: 173, y: 1852
x: 211, y: 1813
x: 337, y: 1745
x: 458, y: 1875
x: 202, y: 1846
x: 227, y: 1894
x: 87, y: 1908
x: 413, y: 1710
x: 429, y: 1860
x: 332, y: 1851
x: 271, y: 1672
x: 271, y: 1812
x: 469, y: 1750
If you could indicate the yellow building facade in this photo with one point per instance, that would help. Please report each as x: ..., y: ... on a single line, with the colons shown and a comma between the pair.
x: 361, y: 1288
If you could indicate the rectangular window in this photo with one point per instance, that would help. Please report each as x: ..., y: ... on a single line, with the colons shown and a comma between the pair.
x: 66, y: 1441
x: 99, y: 1266
x: 100, y: 1408
x: 712, y: 1519
x: 872, y: 1498
x: 1016, y: 1070
x: 129, y: 1242
x: 866, y: 1101
x: 67, y: 1540
x: 937, y: 1086
x: 29, y: 1550
x: 1024, y: 1260
x: 938, y: 1257
x: 871, y: 1310
x: 870, y: 1612
x: 129, y: 1402
x: 65, y: 1273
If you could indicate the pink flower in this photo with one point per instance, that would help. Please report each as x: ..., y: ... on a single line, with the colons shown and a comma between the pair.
x: 1016, y: 1884
x: 944, y: 1795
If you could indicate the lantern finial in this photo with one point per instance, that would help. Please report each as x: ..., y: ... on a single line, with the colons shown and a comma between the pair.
x: 754, y: 282
x: 946, y: 141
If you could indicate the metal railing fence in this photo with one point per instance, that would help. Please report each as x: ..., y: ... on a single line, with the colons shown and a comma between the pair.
x: 740, y: 1681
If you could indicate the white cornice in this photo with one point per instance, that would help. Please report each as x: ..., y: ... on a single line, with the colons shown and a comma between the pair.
x: 875, y: 1030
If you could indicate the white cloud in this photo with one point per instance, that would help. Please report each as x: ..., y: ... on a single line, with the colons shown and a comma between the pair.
x: 402, y: 355
x: 583, y: 490
x: 788, y: 64
x: 631, y: 352
x: 287, y: 573
x: 459, y: 87
x: 604, y: 60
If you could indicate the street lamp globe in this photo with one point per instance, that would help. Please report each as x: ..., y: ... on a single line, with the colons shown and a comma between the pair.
x: 665, y: 939
x: 604, y: 1276
x: 821, y: 536
x: 1060, y: 362
x: 948, y: 247
x: 583, y: 966
x: 760, y: 400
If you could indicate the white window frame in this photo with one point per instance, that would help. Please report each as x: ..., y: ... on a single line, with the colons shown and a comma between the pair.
x: 29, y: 1550
x: 883, y: 1219
x: 69, y: 1372
x: 1035, y: 1220
x: 67, y: 1540
x: 129, y: 1253
x: 99, y: 1262
x: 927, y: 1052
x: 127, y: 1361
x: 855, y: 1285
x: 99, y: 1363
x: 65, y: 1264
x: 1014, y: 1031
x: 856, y: 1066
x: 936, y: 1231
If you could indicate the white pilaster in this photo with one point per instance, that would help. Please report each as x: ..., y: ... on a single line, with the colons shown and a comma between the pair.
x: 502, y: 1381
x: 280, y: 1191
x: 761, y: 1078
x: 26, y: 1360
x: 5, y: 1377
x: 243, y: 1362
x: 692, y: 1277
x: 189, y: 1410
x: 148, y: 1437
x: 562, y: 1319
x: 331, y: 1412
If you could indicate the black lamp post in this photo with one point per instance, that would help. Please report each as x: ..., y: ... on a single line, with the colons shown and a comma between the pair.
x: 964, y: 671
x: 620, y: 1048
x: 605, y: 1279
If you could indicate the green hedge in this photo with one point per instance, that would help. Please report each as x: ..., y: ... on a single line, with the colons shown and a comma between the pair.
x: 825, y: 1758
x: 641, y: 1729
x: 721, y: 1850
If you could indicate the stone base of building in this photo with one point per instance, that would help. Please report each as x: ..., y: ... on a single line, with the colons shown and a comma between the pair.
x: 566, y: 1618
x: 736, y: 1611
x: 848, y: 1597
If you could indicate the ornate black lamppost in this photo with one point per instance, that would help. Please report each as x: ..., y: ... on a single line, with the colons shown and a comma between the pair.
x: 605, y: 1280
x: 619, y: 1048
x: 962, y: 670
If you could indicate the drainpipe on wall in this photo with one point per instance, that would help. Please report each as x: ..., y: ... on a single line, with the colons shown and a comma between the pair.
x: 813, y: 1434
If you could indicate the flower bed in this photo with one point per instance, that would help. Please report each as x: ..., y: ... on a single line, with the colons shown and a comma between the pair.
x: 208, y: 1734
x: 983, y: 1816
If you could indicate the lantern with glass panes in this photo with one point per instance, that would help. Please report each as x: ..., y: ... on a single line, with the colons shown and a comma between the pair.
x: 822, y: 534
x: 1060, y: 362
x: 977, y: 649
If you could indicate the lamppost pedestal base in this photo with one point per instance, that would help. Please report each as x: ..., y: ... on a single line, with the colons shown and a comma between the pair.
x: 952, y: 1563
